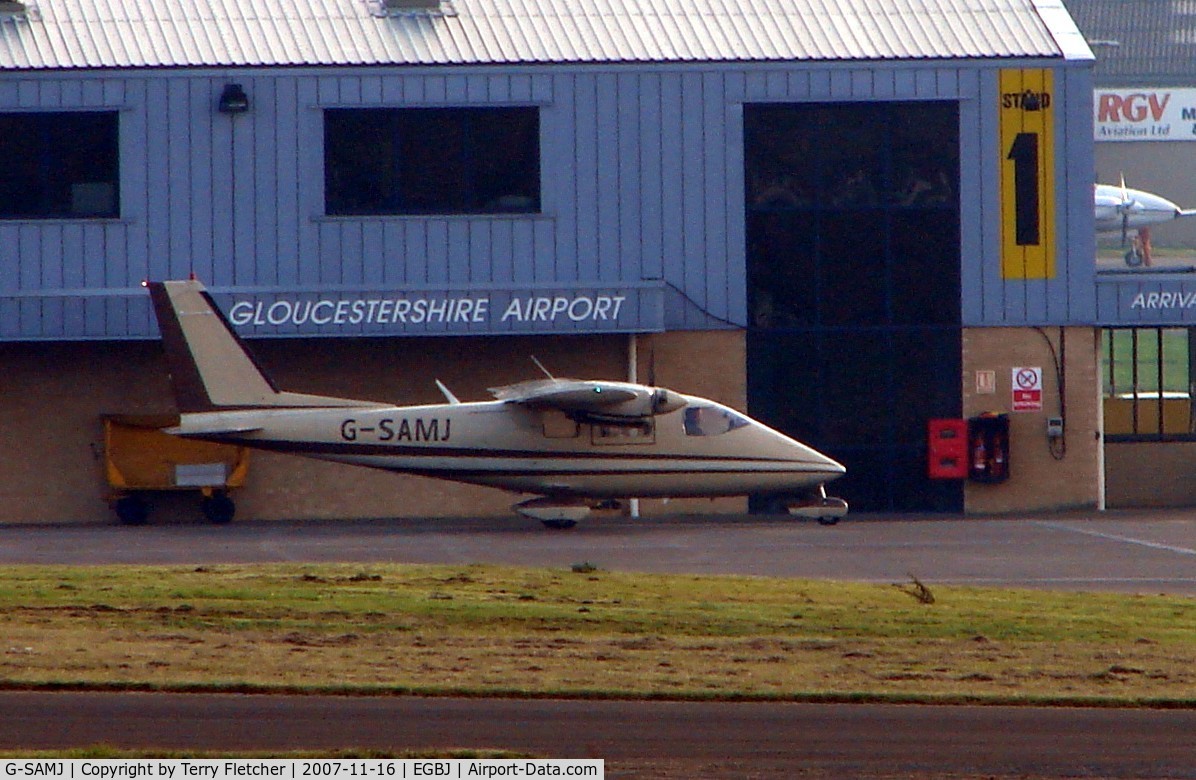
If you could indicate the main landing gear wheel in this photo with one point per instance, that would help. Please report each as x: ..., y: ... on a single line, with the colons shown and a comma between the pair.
x: 218, y: 508
x: 557, y: 514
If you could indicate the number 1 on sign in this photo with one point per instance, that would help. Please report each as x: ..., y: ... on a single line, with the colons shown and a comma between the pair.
x: 1024, y: 154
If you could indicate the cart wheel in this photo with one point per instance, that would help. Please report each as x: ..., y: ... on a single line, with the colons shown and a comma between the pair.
x: 560, y: 524
x: 132, y: 510
x: 218, y: 508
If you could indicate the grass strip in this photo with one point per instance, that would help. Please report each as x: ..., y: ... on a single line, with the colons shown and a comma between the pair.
x: 497, y: 631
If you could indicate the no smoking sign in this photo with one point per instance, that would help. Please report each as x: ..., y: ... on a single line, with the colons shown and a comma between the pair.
x: 1027, y: 389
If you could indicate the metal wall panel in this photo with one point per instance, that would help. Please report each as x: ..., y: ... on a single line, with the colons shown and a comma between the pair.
x: 1077, y: 226
x: 989, y: 299
x: 642, y: 183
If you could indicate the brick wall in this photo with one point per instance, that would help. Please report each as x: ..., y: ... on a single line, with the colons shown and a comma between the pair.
x: 53, y: 395
x: 1038, y: 479
x: 1151, y: 474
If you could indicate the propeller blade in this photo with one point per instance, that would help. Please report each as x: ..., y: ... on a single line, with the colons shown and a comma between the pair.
x: 1124, y: 208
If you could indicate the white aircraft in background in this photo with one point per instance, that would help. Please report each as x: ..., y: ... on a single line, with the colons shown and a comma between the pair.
x: 1120, y: 209
x: 572, y: 443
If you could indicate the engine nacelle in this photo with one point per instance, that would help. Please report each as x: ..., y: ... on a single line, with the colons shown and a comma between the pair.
x: 647, y: 403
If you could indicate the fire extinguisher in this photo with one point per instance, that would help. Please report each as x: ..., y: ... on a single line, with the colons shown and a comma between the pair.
x: 979, y: 455
x: 999, y: 471
x: 989, y: 453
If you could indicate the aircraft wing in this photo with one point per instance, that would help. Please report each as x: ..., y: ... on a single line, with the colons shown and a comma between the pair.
x: 617, y: 399
x: 565, y: 394
x: 190, y: 428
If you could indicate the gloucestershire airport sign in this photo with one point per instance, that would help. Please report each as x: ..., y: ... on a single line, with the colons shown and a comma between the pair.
x: 419, y: 311
x: 446, y: 311
x: 1144, y: 114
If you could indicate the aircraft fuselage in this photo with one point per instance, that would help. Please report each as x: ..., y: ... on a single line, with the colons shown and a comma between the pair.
x: 1119, y: 208
x: 542, y: 451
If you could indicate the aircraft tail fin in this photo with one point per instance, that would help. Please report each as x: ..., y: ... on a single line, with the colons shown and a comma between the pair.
x: 211, y: 369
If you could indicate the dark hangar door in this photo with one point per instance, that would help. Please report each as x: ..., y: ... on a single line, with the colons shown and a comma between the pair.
x: 853, y: 266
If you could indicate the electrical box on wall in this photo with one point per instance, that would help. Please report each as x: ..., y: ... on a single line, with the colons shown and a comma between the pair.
x: 988, y: 447
x: 947, y: 449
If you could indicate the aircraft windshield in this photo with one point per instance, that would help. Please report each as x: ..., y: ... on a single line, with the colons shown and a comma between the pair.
x: 702, y: 420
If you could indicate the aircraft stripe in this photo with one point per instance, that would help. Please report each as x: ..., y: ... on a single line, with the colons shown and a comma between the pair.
x: 462, y: 473
x: 617, y: 452
x: 506, y: 466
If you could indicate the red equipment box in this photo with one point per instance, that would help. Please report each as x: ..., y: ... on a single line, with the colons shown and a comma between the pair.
x: 947, y: 449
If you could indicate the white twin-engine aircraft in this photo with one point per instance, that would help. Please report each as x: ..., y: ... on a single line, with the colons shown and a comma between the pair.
x: 572, y: 443
x: 1121, y: 209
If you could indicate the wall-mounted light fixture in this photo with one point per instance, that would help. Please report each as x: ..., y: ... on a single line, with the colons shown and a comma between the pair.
x: 233, y: 100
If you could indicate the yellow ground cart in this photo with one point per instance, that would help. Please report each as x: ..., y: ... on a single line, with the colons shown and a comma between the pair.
x: 140, y: 459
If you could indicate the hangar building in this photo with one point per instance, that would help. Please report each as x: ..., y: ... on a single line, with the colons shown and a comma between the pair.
x: 1144, y: 122
x: 849, y: 217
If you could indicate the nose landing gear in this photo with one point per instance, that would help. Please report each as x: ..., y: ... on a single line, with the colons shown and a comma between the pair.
x: 1139, y: 252
x: 827, y: 510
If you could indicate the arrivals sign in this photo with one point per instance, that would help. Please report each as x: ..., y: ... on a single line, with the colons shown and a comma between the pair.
x: 1144, y: 114
x: 1146, y: 299
x: 1027, y: 389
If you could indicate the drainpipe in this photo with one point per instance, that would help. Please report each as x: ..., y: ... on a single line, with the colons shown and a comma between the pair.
x: 633, y: 373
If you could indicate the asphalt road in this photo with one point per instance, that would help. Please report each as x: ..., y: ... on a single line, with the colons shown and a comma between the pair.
x: 1121, y: 551
x: 1138, y: 552
x: 638, y: 739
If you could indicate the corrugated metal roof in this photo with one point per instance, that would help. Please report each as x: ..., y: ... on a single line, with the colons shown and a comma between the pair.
x: 1139, y: 42
x: 178, y: 33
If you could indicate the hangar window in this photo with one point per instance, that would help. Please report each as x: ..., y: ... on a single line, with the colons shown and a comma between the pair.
x: 406, y: 161
x: 59, y: 165
x: 861, y: 231
x: 1148, y: 383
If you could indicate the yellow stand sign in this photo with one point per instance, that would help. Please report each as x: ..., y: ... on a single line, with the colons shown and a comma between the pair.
x: 1027, y: 115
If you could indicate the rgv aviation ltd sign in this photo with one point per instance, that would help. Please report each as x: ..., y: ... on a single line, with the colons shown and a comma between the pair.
x: 1144, y: 114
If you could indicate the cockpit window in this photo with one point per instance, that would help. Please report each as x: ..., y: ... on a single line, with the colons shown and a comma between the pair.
x: 703, y: 420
